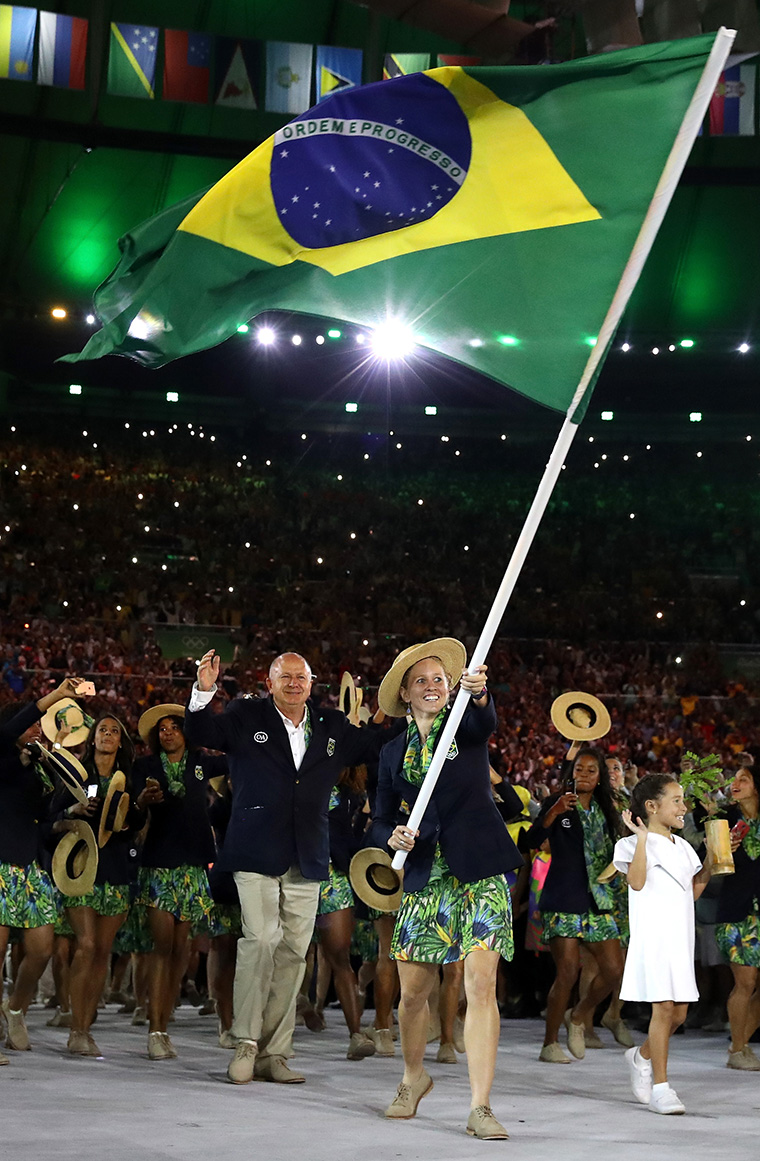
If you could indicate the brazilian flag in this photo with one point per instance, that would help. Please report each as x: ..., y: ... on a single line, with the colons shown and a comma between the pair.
x: 470, y: 203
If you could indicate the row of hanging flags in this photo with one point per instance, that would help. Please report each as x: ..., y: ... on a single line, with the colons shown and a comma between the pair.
x: 199, y: 67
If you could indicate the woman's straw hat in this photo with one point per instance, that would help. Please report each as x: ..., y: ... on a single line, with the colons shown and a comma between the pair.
x: 450, y: 652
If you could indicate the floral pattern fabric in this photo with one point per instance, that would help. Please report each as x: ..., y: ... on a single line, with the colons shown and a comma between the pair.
x: 597, y: 851
x: 227, y: 920
x: 587, y: 926
x: 27, y: 896
x: 181, y: 891
x: 418, y: 757
x: 335, y: 893
x: 175, y: 774
x: 448, y: 919
x: 739, y: 943
x: 104, y: 898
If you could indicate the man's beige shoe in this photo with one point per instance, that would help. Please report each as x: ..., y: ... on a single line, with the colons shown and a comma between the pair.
x: 275, y: 1069
x: 483, y: 1125
x: 3, y: 1059
x: 407, y: 1098
x: 240, y: 1070
x: 446, y: 1054
x: 139, y: 1018
x: 553, y: 1054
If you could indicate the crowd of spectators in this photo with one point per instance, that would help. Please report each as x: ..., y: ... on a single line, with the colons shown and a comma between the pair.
x: 101, y: 548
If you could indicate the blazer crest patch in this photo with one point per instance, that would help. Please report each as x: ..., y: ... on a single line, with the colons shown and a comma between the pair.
x: 453, y: 751
x: 330, y: 747
x: 260, y: 736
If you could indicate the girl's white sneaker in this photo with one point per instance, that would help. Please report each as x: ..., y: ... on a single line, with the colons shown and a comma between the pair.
x: 664, y: 1099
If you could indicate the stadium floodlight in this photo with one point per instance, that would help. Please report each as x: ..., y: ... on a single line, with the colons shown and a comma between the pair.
x: 75, y: 388
x: 430, y: 410
x: 172, y: 396
x: 687, y: 342
x: 243, y: 329
x: 608, y: 416
x: 695, y: 417
x: 352, y: 407
x: 265, y: 336
x: 334, y: 333
x: 392, y: 340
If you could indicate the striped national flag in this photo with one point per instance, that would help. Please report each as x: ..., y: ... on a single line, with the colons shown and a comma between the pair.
x: 732, y: 109
x: 17, y: 27
x: 63, y: 50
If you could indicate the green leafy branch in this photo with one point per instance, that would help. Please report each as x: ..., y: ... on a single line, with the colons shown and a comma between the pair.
x: 701, y: 777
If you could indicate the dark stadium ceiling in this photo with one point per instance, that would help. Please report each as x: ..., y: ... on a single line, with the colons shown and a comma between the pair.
x: 81, y: 168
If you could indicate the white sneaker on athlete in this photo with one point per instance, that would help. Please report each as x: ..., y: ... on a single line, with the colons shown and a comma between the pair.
x: 641, y: 1075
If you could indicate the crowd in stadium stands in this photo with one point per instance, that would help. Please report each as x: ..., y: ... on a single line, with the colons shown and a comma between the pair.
x: 99, y: 549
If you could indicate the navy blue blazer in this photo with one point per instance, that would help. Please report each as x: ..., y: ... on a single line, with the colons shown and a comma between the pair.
x: 279, y: 814
x: 461, y: 815
x: 23, y: 801
x: 739, y: 891
x: 180, y: 830
x: 566, y: 887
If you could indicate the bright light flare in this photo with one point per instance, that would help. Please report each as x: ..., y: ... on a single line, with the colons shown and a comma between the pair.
x: 392, y: 340
x: 265, y: 336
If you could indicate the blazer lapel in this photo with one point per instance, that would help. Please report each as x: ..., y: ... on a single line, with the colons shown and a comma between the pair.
x: 278, y: 734
x: 317, y: 747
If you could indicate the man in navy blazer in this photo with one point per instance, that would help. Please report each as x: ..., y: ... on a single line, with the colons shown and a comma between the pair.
x: 284, y: 758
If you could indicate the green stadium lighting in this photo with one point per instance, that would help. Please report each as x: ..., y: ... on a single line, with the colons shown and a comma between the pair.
x: 590, y: 340
x: 243, y: 329
x: 608, y: 416
x: 687, y: 342
x: 509, y: 341
x: 334, y: 334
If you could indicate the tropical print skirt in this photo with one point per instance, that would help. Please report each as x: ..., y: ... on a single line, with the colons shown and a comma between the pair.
x: 134, y: 934
x: 181, y: 891
x: 364, y: 942
x: 620, y: 908
x: 739, y: 943
x: 448, y: 919
x: 104, y: 898
x: 27, y: 896
x: 335, y: 893
x: 590, y: 926
x: 227, y: 920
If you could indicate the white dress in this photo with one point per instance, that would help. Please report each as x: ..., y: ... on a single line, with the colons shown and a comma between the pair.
x: 660, y: 961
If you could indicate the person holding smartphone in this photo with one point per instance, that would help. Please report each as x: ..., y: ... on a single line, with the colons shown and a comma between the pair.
x: 581, y: 824
x: 738, y: 925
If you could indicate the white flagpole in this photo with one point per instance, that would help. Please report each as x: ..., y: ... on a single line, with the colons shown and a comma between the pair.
x: 666, y: 186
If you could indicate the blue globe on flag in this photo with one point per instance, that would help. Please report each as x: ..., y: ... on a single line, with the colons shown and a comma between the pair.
x: 374, y: 160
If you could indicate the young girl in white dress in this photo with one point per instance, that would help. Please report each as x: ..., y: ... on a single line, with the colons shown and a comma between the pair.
x: 664, y: 878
